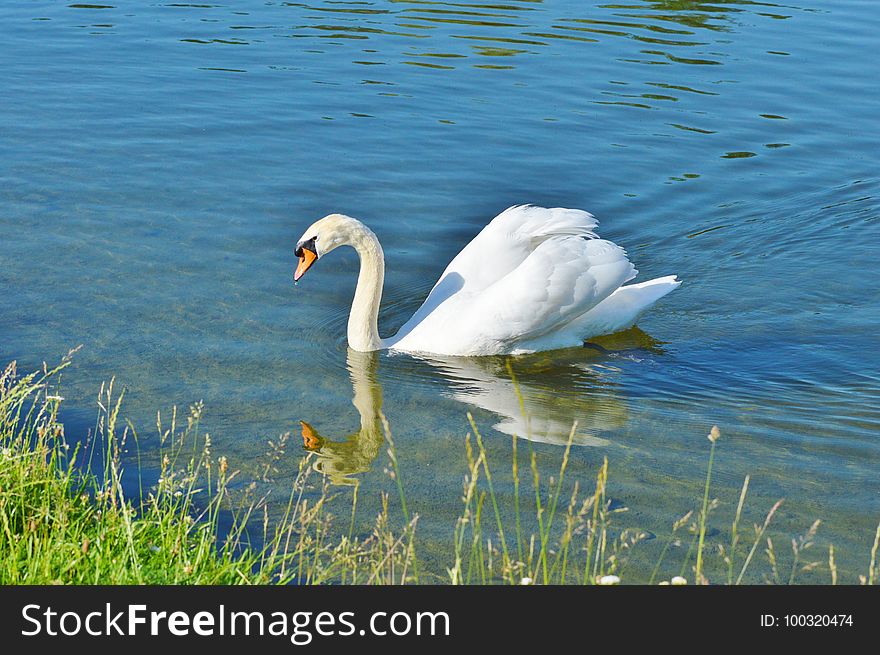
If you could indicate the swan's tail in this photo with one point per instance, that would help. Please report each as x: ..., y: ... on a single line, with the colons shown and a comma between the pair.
x: 621, y: 309
x: 645, y: 294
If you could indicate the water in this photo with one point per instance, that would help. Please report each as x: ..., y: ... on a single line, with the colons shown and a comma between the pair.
x: 159, y: 160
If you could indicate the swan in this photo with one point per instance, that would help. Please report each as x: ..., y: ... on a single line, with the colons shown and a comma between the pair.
x: 533, y: 279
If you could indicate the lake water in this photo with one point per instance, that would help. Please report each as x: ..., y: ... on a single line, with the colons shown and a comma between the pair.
x: 159, y: 160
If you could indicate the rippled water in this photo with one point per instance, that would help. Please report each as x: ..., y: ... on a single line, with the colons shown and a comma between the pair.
x: 159, y: 160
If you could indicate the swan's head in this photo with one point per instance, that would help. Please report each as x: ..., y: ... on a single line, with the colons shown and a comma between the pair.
x: 323, y: 236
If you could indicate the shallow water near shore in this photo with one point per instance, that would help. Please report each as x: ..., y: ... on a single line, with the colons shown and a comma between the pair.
x: 159, y: 161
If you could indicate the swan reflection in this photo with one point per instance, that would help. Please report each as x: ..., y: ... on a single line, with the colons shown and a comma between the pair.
x: 533, y: 408
x: 341, y: 460
x: 550, y: 392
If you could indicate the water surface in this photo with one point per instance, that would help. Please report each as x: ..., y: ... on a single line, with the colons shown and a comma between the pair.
x: 159, y: 160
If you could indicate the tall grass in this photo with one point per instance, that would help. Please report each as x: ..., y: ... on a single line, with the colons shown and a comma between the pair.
x: 65, y: 516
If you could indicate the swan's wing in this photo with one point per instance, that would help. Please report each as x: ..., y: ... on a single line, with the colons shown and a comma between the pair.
x: 560, y: 280
x: 502, y: 246
x: 512, y: 236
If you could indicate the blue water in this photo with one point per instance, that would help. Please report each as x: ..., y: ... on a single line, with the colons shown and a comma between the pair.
x: 158, y: 162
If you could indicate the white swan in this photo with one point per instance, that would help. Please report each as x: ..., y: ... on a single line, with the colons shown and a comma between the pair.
x: 533, y: 279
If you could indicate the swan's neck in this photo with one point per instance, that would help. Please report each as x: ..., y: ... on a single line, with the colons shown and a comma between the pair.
x: 363, y: 328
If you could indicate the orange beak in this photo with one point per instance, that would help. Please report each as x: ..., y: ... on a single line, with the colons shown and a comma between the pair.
x: 308, y: 258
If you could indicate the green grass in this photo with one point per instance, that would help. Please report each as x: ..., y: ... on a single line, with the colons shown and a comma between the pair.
x: 65, y: 518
